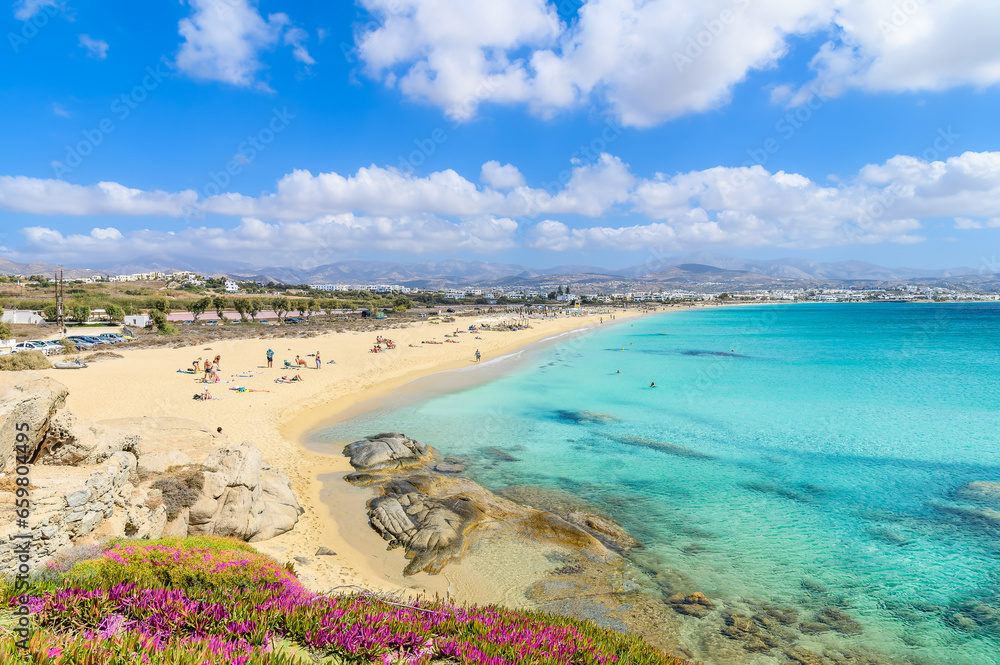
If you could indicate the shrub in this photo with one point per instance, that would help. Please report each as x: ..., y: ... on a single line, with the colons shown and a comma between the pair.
x: 180, y: 491
x: 16, y: 362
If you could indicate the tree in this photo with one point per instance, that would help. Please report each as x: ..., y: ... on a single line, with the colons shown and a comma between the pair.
x: 5, y: 331
x: 81, y: 313
x: 161, y: 304
x: 312, y: 306
x: 160, y: 321
x: 566, y: 289
x: 198, y: 307
x: 302, y: 306
x: 241, y: 305
x: 559, y: 291
x: 552, y: 295
x: 254, y: 305
x: 114, y: 312
x: 280, y: 306
x: 50, y: 312
x: 401, y: 304
x: 219, y: 302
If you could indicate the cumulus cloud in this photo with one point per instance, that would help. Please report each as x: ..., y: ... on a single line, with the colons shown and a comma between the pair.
x: 652, y: 60
x: 57, y: 197
x: 384, y: 209
x: 299, y: 244
x: 96, y: 48
x: 223, y: 40
x: 501, y: 177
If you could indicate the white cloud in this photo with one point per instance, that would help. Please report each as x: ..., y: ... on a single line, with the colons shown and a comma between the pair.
x: 26, y: 9
x: 652, y: 60
x: 295, y: 244
x: 60, y: 110
x: 96, y: 48
x: 296, y: 38
x: 715, y: 207
x: 56, y: 197
x: 501, y: 177
x: 223, y: 40
x: 910, y: 45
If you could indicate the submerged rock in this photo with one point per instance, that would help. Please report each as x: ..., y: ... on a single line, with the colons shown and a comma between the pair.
x: 658, y: 446
x: 839, y: 621
x: 981, y: 491
x: 500, y: 454
x: 585, y: 417
x: 695, y: 604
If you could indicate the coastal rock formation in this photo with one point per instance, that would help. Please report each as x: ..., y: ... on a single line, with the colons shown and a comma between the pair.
x: 243, y: 497
x: 423, y: 506
x: 71, y: 440
x: 131, y: 478
x: 30, y: 403
x: 390, y: 450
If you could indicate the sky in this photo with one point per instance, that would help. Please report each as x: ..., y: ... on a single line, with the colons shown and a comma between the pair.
x: 597, y: 132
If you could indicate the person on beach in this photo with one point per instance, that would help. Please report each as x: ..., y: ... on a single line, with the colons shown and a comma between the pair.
x: 197, y: 366
x: 319, y: 363
x: 270, y: 358
x: 206, y: 395
x: 217, y: 362
x: 477, y: 355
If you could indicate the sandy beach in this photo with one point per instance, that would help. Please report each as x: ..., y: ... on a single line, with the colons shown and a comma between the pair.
x: 145, y: 382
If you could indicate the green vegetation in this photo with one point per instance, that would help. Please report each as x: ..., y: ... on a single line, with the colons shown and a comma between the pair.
x: 211, y: 600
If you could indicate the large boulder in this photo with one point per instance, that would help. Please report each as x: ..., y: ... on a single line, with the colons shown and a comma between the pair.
x: 72, y: 441
x: 243, y: 497
x: 386, y: 451
x: 27, y: 408
x: 432, y: 531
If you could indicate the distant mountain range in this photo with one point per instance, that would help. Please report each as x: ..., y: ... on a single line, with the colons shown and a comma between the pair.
x: 694, y: 268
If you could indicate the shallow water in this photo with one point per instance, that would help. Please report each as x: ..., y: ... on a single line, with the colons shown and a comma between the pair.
x: 805, y: 455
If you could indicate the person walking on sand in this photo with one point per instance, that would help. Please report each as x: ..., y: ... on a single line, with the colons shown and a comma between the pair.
x: 319, y: 363
x: 270, y: 358
x: 478, y: 356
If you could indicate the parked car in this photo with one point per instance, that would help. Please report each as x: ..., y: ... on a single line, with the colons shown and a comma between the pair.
x: 264, y: 321
x: 450, y: 310
x: 292, y: 319
x: 111, y: 338
x: 50, y: 345
x: 81, y: 343
x: 32, y: 346
x: 95, y: 339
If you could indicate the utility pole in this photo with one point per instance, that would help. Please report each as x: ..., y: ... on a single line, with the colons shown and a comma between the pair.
x: 60, y: 314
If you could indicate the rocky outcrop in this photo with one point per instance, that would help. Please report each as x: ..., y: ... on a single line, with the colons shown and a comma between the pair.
x: 26, y: 408
x: 135, y: 478
x: 69, y: 503
x: 70, y: 440
x: 390, y: 450
x: 243, y: 497
x: 422, y: 506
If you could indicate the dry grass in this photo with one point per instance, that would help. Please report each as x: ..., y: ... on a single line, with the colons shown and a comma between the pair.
x: 16, y: 362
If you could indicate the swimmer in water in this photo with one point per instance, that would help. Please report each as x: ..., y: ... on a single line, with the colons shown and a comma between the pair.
x: 652, y: 384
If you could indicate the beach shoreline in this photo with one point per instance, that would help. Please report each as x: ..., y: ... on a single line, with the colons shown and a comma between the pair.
x: 147, y: 382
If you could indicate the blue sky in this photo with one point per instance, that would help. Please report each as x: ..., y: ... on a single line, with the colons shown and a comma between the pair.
x: 606, y: 132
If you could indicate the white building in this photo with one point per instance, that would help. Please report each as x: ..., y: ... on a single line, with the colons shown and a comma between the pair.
x: 22, y: 317
x: 232, y: 287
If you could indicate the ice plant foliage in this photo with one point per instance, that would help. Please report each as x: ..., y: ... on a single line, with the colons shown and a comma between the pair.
x: 206, y: 601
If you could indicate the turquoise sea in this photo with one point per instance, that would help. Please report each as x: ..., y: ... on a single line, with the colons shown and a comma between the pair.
x: 814, y: 456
